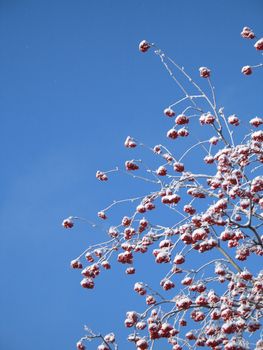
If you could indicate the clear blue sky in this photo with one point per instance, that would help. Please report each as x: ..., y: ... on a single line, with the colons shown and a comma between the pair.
x: 73, y: 85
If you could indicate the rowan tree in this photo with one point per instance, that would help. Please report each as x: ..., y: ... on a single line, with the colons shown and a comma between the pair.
x: 213, y: 186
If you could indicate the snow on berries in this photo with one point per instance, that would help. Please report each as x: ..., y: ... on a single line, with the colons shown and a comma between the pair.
x: 233, y: 120
x: 87, y: 283
x: 209, y: 159
x: 246, y: 70
x: 144, y: 46
x: 183, y: 132
x: 130, y: 271
x: 169, y: 112
x: 80, y: 346
x: 257, y: 184
x: 171, y: 199
x: 214, y: 140
x: 204, y: 72
x: 68, y: 223
x: 183, y: 303
x: 167, y: 284
x: 163, y: 257
x: 259, y: 44
x: 206, y: 118
x: 109, y: 338
x: 131, y: 165
x: 141, y: 344
x: 125, y: 258
x: 102, y: 215
x: 103, y: 347
x: 76, y: 264
x: 139, y: 288
x: 256, y: 122
x: 214, y: 196
x: 257, y: 136
x: 161, y: 171
x: 130, y: 142
x: 157, y: 149
x: 126, y: 221
x: 247, y: 33
x: 179, y: 259
x: 188, y: 208
x: 179, y: 167
x: 181, y: 119
x: 172, y: 134
x: 100, y: 175
x: 150, y: 300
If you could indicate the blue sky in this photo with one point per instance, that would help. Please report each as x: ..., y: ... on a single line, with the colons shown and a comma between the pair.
x: 73, y: 86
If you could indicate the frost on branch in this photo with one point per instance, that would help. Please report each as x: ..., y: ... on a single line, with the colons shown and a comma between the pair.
x: 216, y: 201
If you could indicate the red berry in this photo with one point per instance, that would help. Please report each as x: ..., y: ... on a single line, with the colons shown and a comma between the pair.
x: 233, y: 120
x: 256, y: 121
x: 161, y: 171
x: 89, y: 257
x: 183, y: 132
x: 102, y: 215
x: 179, y: 259
x: 247, y: 70
x: 87, y: 283
x: 157, y: 149
x: 80, y: 346
x: 144, y: 46
x: 181, y: 119
x: 206, y: 118
x: 68, y: 223
x: 141, y: 209
x: 150, y: 300
x: 172, y: 134
x: 101, y: 176
x: 259, y: 44
x: 204, y: 72
x: 247, y: 33
x: 76, y: 264
x: 130, y: 271
x: 106, y: 265
x: 188, y: 208
x: 129, y: 142
x: 126, y: 221
x: 169, y: 112
x: 179, y: 167
x: 130, y: 165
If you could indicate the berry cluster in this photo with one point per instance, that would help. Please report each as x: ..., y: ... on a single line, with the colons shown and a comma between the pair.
x: 217, y: 213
